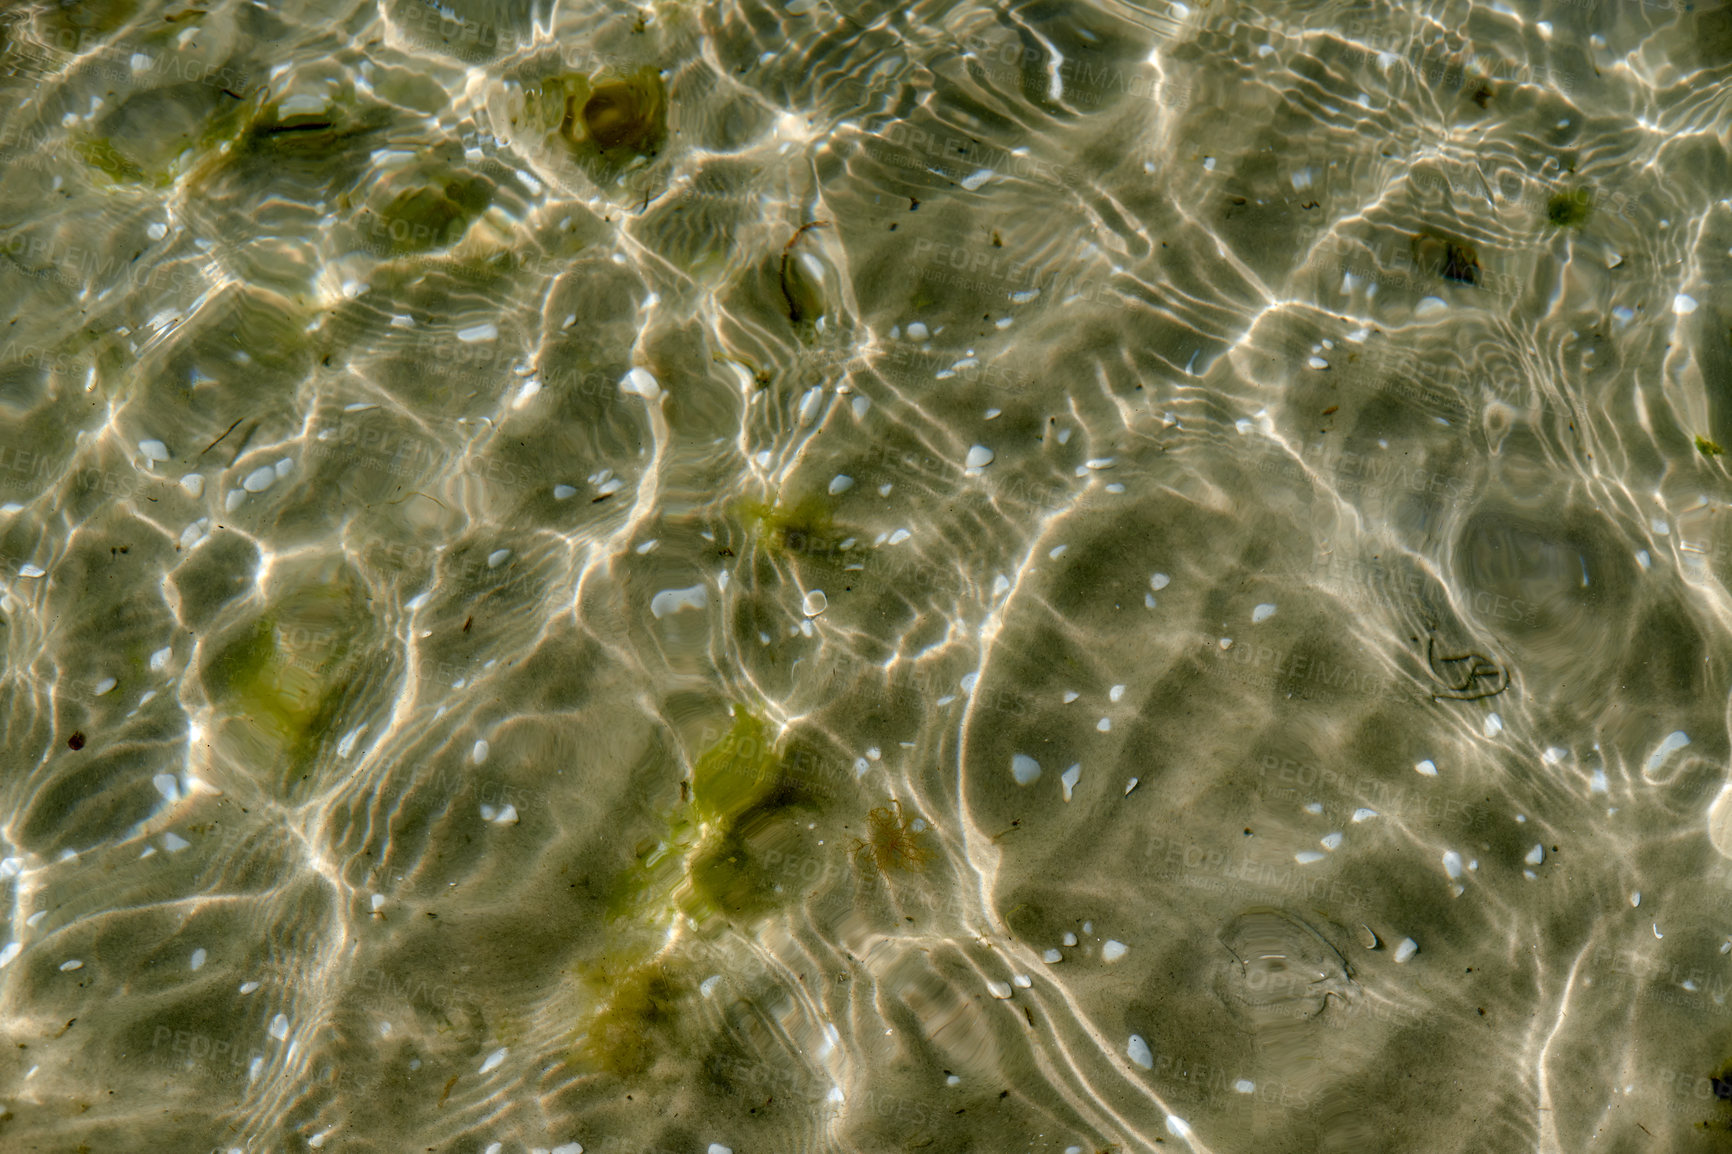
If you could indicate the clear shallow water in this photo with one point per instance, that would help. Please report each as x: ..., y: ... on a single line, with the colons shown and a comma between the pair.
x: 1211, y: 519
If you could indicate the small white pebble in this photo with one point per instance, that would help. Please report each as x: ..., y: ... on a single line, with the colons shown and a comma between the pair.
x: 1332, y: 842
x: 814, y: 603
x: 563, y: 492
x: 30, y: 571
x: 998, y: 989
x: 1070, y: 695
x: 153, y: 450
x: 1427, y: 767
x: 479, y: 751
x: 1112, y: 951
x: 1245, y: 1086
x: 494, y: 1060
x: 1069, y: 778
x: 497, y: 558
x: 1406, y: 949
x: 1262, y: 613
x: 1536, y: 855
x: 1052, y: 956
x: 1025, y: 769
x: 1130, y: 785
x: 1306, y: 857
x: 979, y: 456
x: 1069, y: 939
x: 1363, y: 814
x: 1636, y: 899
x: 260, y: 479
x: 840, y: 483
x: 193, y: 484
x: 1160, y: 581
x: 1115, y: 693
x: 917, y: 331
x: 1138, y: 1052
x: 1104, y: 724
x: 198, y: 957
x: 71, y: 964
x: 1021, y: 981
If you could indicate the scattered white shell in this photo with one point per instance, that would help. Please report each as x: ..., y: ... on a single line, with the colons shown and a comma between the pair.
x: 640, y: 383
x: 198, y: 957
x: 674, y: 600
x: 1427, y: 767
x: 1069, y: 938
x: 1452, y: 863
x: 1138, y: 1052
x: 1025, y: 769
x: 1115, y: 693
x: 193, y: 484
x: 1069, y: 778
x: 1112, y: 951
x: 1332, y: 842
x: 1159, y: 582
x: 153, y: 450
x: 814, y: 603
x: 1406, y: 949
x: 1536, y: 855
x: 840, y: 483
x: 998, y: 989
x: 1262, y: 613
x: 1683, y: 304
x: 71, y: 964
x: 493, y: 1060
x: 497, y: 558
x: 259, y: 479
x: 1363, y: 814
x: 479, y: 751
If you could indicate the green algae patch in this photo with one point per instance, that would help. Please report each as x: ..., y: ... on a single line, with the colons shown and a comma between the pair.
x: 638, y: 1010
x: 281, y: 687
x: 804, y: 527
x: 1708, y: 448
x: 281, y: 682
x: 434, y: 215
x: 99, y: 153
x: 736, y: 773
x: 1570, y: 208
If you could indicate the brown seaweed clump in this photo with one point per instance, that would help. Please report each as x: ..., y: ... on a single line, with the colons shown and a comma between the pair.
x: 1450, y: 259
x: 618, y: 117
x: 891, y: 840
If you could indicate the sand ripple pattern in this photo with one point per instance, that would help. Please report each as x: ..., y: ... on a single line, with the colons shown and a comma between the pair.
x: 1213, y: 520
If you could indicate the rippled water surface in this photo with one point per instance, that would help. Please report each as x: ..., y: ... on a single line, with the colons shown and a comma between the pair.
x: 713, y: 577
